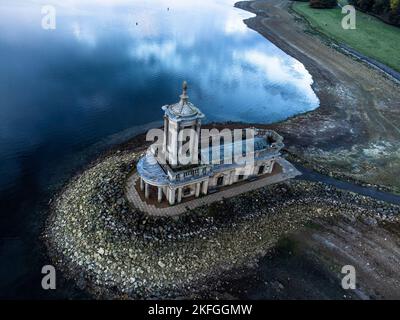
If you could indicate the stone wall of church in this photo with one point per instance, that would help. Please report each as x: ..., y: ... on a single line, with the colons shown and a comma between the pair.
x: 235, y: 175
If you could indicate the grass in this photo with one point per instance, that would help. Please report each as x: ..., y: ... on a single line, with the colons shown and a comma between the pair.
x: 371, y: 37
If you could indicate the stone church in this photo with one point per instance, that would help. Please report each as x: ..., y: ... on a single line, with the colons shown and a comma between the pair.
x: 168, y: 180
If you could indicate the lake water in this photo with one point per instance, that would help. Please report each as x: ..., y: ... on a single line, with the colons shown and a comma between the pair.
x: 105, y: 71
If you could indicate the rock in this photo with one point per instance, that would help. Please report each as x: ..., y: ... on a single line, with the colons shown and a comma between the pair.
x: 371, y: 221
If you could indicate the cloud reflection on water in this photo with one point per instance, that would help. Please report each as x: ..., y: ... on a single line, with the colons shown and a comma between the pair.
x: 110, y: 65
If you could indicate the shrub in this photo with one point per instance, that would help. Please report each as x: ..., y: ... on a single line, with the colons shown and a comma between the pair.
x: 323, y: 4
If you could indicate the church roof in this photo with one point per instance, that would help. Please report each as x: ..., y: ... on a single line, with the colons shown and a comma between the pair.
x: 150, y: 170
x: 184, y: 109
x: 227, y: 152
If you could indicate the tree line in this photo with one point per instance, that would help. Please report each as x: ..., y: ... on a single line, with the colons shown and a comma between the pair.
x: 386, y: 10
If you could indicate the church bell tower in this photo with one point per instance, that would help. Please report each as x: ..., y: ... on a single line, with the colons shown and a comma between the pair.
x: 182, y: 123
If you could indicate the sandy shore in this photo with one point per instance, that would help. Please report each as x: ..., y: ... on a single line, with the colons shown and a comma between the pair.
x: 356, y: 130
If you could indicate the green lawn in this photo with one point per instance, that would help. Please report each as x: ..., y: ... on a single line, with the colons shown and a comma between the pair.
x: 371, y: 37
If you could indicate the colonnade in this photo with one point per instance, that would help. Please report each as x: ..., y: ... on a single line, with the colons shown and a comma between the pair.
x: 173, y: 194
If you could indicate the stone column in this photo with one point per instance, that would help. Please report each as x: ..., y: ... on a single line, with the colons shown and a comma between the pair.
x: 197, y: 190
x: 171, y: 196
x: 195, y: 154
x: 179, y: 195
x: 271, y: 167
x: 205, y: 187
x: 231, y: 177
x: 173, y: 144
x: 165, y: 134
x: 159, y: 196
x: 146, y: 190
x: 141, y: 184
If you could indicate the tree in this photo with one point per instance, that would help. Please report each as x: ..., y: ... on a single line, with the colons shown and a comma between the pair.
x: 323, y: 4
x: 387, y: 10
x: 365, y: 5
x: 394, y: 14
x: 380, y: 6
x: 394, y: 5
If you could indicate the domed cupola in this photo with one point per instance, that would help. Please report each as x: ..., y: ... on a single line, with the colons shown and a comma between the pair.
x: 184, y: 109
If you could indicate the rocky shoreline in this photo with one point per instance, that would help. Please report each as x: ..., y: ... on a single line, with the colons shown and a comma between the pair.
x: 112, y: 250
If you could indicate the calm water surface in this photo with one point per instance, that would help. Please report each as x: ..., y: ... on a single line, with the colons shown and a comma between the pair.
x: 104, y: 72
